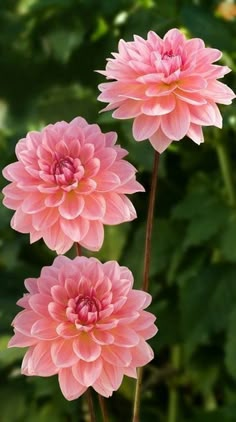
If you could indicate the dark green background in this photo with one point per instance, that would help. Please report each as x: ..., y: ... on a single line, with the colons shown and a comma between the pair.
x: 49, y: 50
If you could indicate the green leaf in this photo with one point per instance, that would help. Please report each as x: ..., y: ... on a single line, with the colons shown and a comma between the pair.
x: 62, y: 42
x: 164, y: 242
x: 206, y: 213
x: 230, y: 347
x: 206, y: 301
x: 228, y: 240
x: 9, y: 356
x: 204, y: 25
x: 114, y: 241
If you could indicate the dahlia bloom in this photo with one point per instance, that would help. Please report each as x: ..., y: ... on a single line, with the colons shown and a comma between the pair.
x: 70, y: 180
x: 169, y: 86
x: 83, y: 321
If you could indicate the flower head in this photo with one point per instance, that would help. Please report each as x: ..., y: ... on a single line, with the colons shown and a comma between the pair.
x: 169, y: 86
x: 69, y: 180
x: 83, y: 321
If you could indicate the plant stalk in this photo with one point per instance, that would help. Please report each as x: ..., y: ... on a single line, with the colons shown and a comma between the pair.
x: 148, y: 237
x: 225, y: 167
x: 89, y: 400
x: 173, y: 391
x: 103, y: 408
x: 146, y: 268
x: 78, y: 249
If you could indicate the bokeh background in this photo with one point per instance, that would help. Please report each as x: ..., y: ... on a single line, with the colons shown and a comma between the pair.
x: 49, y: 51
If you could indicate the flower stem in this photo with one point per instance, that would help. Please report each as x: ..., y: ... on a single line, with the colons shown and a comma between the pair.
x: 78, y: 249
x: 173, y: 391
x: 148, y: 238
x: 103, y: 408
x: 147, y: 257
x: 226, y: 172
x: 89, y: 400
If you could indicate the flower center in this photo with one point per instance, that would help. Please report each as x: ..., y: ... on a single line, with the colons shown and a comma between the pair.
x: 86, y: 304
x: 63, y: 170
x: 167, y: 55
x: 66, y: 170
x: 84, y: 309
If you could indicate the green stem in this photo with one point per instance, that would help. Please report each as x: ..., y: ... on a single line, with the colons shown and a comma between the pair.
x: 147, y: 257
x: 173, y: 391
x: 148, y: 238
x: 226, y: 172
x: 89, y: 400
x: 103, y: 408
x: 78, y: 249
x: 137, y: 397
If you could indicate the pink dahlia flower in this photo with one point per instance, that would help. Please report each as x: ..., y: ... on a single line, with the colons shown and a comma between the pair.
x: 70, y: 180
x: 169, y: 86
x: 83, y: 321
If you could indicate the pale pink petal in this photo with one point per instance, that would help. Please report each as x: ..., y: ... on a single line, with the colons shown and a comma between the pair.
x: 176, y: 124
x: 193, y: 98
x: 131, y: 372
x: 102, y: 337
x: 67, y: 330
x: 70, y: 387
x: 127, y: 110
x: 21, y: 340
x: 195, y: 133
x: 33, y: 203
x: 107, y: 181
x: 93, y: 239
x: 24, y: 321
x: 141, y: 354
x: 31, y: 285
x: 206, y: 115
x: 111, y: 376
x: 87, y: 372
x: 95, y: 205
x: 62, y: 353
x: 145, y: 126
x: 145, y: 320
x: 117, y: 355
x: 86, y: 349
x: 38, y: 361
x: 39, y: 303
x: 58, y: 294
x: 44, y: 219
x: 72, y: 206
x: 159, y: 106
x: 102, y: 389
x: 125, y: 336
x: 55, y: 239
x: 55, y: 199
x: 75, y: 229
x: 56, y: 311
x: 118, y: 209
x: 192, y: 83
x: 21, y: 221
x: 44, y: 329
x: 148, y: 332
x: 160, y: 141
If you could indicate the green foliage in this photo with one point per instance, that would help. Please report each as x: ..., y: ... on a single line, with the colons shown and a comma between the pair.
x: 49, y: 51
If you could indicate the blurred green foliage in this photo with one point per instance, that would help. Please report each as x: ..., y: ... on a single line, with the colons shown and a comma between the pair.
x: 49, y: 51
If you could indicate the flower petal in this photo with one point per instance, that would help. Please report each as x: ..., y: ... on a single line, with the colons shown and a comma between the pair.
x: 63, y: 355
x: 176, y: 124
x: 70, y: 387
x: 87, y: 372
x: 85, y: 348
x: 145, y: 126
